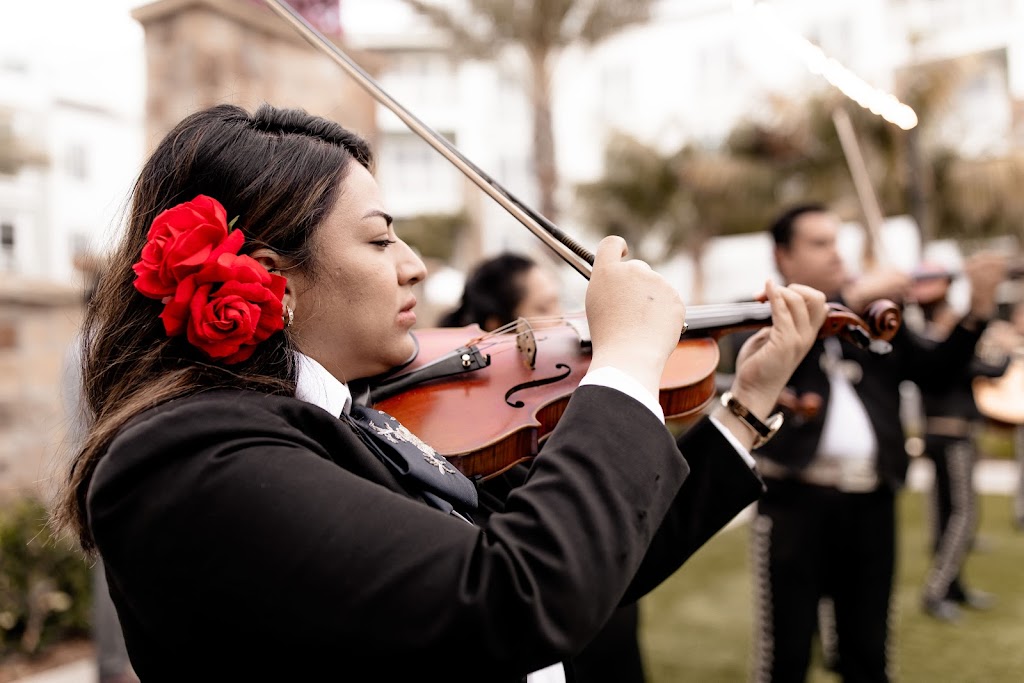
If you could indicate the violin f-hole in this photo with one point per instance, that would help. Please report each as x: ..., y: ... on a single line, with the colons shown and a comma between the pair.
x: 537, y: 383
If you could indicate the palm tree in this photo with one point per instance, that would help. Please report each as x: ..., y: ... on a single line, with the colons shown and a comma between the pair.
x: 980, y: 198
x: 540, y: 31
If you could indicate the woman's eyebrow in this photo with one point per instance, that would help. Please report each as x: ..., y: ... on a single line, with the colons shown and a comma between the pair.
x: 378, y: 212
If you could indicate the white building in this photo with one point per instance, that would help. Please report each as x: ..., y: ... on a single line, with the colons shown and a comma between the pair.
x: 76, y: 102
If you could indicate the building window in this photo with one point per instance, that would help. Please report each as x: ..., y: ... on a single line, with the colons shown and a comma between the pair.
x: 76, y: 161
x: 13, y: 66
x: 6, y: 246
x: 8, y: 156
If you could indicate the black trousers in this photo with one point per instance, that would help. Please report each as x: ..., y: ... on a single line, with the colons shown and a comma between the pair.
x: 954, y: 514
x: 811, y: 542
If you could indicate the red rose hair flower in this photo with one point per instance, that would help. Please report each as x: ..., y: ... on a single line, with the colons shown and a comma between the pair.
x: 224, y: 303
x: 180, y: 241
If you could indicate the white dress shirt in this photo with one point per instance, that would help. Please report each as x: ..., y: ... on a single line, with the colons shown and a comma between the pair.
x: 848, y: 444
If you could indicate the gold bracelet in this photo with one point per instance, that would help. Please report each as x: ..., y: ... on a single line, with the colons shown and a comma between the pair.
x: 764, y: 431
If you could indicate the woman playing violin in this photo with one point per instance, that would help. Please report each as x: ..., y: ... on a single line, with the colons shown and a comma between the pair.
x: 256, y: 524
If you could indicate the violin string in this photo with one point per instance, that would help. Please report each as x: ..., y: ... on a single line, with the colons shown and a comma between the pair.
x: 699, y: 316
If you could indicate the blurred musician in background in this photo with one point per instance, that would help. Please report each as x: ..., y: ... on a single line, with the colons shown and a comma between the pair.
x: 503, y: 288
x: 1002, y: 399
x: 825, y: 527
x: 951, y: 418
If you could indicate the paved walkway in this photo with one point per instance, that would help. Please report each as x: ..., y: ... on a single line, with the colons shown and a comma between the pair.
x: 991, y: 476
x: 82, y: 671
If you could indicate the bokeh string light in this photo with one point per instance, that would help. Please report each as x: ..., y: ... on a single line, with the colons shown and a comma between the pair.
x: 873, y: 99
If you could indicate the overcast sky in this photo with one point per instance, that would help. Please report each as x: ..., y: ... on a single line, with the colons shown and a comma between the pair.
x: 91, y: 49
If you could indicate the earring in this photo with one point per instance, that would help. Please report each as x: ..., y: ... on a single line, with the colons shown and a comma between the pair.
x: 288, y: 316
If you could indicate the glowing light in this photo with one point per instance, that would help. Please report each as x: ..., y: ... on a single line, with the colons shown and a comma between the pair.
x: 876, y: 101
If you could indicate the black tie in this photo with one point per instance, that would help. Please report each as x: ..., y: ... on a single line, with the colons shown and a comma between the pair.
x: 443, y: 486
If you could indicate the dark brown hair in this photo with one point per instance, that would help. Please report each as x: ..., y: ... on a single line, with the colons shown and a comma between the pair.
x: 279, y: 171
x: 782, y: 227
x: 493, y: 291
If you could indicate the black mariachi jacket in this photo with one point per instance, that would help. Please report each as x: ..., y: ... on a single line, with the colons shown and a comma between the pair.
x: 958, y: 399
x: 251, y: 537
x: 933, y: 366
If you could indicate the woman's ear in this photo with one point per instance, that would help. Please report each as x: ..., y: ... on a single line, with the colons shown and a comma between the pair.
x: 275, y: 263
x: 269, y: 259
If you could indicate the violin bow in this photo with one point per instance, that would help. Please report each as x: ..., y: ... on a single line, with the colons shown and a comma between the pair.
x: 571, y: 251
x: 873, y: 219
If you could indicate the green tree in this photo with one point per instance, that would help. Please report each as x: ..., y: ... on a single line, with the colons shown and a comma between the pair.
x: 539, y: 31
x: 800, y: 148
x: 433, y: 235
x: 791, y: 153
x: 663, y: 203
x: 638, y: 198
x: 979, y: 198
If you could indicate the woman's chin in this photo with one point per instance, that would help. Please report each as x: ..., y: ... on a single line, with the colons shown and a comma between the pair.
x: 399, y: 354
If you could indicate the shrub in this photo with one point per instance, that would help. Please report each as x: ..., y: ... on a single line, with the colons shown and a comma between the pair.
x: 45, y: 583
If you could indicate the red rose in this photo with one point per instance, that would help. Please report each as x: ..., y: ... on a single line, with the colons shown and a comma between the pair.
x: 227, y: 307
x: 180, y: 241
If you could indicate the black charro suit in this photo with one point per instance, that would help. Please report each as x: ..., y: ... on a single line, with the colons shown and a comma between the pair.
x: 927, y: 364
x: 249, y: 537
x: 955, y: 506
x: 813, y: 539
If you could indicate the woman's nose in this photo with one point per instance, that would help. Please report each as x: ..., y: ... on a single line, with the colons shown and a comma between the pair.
x: 411, y: 269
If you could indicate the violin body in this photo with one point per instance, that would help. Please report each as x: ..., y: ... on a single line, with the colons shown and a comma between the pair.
x: 488, y: 420
x: 1002, y: 398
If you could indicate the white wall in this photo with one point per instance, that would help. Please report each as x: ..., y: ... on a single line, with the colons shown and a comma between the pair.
x: 77, y: 98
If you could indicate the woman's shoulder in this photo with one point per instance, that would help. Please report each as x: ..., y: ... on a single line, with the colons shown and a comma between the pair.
x: 211, y: 421
x: 183, y: 440
x: 225, y: 405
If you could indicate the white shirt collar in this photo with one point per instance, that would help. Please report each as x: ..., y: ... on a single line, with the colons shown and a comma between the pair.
x: 317, y: 386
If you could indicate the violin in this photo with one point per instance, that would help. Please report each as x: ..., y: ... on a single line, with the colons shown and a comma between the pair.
x: 488, y: 404
x: 1001, y: 399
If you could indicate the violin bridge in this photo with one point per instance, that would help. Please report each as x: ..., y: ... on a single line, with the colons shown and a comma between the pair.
x: 526, y: 343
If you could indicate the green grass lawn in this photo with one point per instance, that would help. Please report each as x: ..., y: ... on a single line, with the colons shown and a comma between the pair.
x: 697, y: 626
